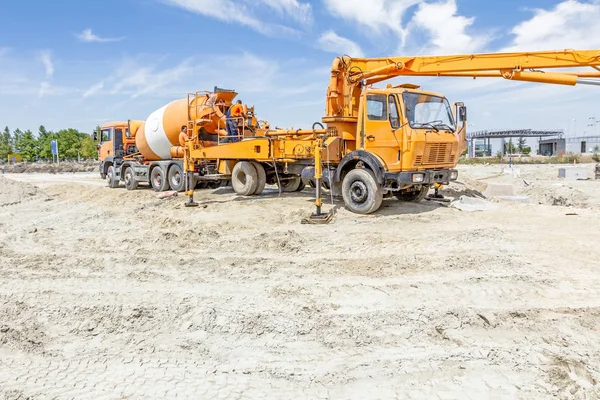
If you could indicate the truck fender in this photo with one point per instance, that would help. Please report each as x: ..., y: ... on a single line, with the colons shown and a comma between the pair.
x: 368, y: 159
x: 105, y: 162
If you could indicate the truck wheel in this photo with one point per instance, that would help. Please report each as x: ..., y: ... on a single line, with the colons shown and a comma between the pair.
x: 130, y: 182
x: 301, y: 186
x: 362, y: 194
x: 158, y: 180
x: 176, y: 178
x: 201, y: 185
x: 261, y: 177
x: 111, y: 179
x: 244, y: 178
x: 291, y: 185
x: 214, y: 184
x: 414, y: 196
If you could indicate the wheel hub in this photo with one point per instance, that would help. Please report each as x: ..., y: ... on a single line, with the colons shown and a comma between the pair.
x: 177, y: 179
x: 359, y: 192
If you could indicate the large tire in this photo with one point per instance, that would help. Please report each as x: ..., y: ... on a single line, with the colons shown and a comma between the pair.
x: 158, y: 180
x: 291, y: 185
x: 111, y: 179
x: 244, y: 178
x: 362, y: 194
x: 214, y: 185
x: 129, y: 178
x: 176, y: 178
x: 301, y: 186
x: 201, y: 185
x: 261, y: 177
x: 414, y: 196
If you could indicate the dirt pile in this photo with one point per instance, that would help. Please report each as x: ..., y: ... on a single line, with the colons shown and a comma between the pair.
x: 13, y: 192
x: 556, y: 195
x: 85, y: 166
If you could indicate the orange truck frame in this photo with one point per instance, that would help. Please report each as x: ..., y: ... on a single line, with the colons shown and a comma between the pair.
x: 396, y: 140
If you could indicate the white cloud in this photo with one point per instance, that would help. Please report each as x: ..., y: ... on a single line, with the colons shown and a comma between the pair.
x: 332, y: 42
x: 93, y: 89
x: 245, y: 13
x: 87, y: 36
x: 45, y: 87
x: 447, y: 31
x: 570, y: 24
x: 301, y: 12
x: 46, y: 58
x: 445, y: 28
x: 136, y: 80
x: 379, y: 16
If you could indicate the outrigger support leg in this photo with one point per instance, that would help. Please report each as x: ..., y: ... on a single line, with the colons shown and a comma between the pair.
x: 318, y: 217
x: 189, y: 183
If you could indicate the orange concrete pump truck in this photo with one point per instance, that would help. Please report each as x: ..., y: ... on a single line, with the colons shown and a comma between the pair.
x: 397, y: 139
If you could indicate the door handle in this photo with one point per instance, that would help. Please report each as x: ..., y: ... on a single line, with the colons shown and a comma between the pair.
x: 371, y: 137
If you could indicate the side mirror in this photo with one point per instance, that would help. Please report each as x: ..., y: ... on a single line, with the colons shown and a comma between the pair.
x: 394, y: 122
x: 462, y: 114
x: 95, y: 136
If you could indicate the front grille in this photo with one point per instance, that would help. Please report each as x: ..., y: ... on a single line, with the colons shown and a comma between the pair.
x: 437, y: 153
x: 419, y: 160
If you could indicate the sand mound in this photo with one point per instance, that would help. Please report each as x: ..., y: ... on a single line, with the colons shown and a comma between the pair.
x: 557, y: 196
x: 13, y: 192
x: 85, y: 166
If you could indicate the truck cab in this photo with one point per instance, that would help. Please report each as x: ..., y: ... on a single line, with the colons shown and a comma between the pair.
x: 114, y: 142
x: 410, y: 129
x: 406, y: 141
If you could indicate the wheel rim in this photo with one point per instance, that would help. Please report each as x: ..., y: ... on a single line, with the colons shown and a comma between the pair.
x: 359, y: 192
x: 127, y: 179
x: 109, y: 176
x: 176, y: 180
x: 241, y: 177
x: 157, y: 181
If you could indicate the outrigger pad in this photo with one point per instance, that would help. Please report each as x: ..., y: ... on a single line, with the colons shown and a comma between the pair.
x: 316, y: 219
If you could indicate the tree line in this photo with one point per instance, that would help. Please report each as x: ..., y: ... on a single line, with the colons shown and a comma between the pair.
x: 72, y: 144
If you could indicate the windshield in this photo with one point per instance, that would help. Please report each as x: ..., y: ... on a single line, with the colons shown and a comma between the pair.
x: 425, y: 111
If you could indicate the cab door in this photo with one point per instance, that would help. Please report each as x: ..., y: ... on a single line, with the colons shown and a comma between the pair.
x: 106, y: 143
x: 382, y: 133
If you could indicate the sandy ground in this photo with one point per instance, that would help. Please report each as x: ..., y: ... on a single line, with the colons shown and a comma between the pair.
x: 109, y: 294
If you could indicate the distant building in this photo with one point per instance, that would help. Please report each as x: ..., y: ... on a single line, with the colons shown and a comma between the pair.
x: 582, y: 144
x: 552, y: 147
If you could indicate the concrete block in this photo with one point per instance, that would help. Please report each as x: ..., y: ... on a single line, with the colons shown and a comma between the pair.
x: 573, y: 173
x: 498, y: 189
x: 515, y: 199
x: 515, y: 172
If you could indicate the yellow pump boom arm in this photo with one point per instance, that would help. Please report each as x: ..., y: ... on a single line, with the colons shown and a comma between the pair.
x: 348, y: 75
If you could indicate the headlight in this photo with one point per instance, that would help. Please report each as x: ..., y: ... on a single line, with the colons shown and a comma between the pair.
x: 453, y: 175
x: 418, y: 178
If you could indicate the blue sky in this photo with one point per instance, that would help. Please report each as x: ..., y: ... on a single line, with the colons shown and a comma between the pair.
x: 73, y: 63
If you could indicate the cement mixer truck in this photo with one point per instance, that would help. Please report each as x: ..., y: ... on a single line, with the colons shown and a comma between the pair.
x: 150, y: 152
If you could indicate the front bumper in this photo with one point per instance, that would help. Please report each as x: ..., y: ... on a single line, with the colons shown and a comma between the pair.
x: 423, y: 177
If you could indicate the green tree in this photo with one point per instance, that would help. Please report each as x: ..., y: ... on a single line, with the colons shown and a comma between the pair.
x: 522, y: 144
x: 5, y: 144
x: 26, y: 145
x: 69, y: 143
x: 596, y: 155
x: 16, y: 136
x: 43, y: 143
x: 88, y: 147
x: 509, y: 148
